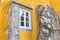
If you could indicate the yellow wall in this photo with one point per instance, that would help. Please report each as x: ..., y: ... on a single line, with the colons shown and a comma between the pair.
x: 3, y: 20
x: 25, y: 34
x: 56, y: 5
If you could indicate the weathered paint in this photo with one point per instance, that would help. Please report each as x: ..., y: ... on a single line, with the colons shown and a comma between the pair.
x: 25, y: 34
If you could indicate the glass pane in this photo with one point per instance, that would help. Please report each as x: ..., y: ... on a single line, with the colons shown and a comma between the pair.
x: 27, y: 19
x: 22, y: 23
x: 22, y: 18
x: 27, y: 24
x: 27, y: 14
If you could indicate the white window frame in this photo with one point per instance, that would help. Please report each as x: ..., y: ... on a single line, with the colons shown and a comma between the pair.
x: 29, y: 12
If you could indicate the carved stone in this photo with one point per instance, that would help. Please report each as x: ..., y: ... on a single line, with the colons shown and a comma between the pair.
x: 48, y: 23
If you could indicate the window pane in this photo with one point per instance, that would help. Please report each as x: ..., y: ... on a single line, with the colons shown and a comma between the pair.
x: 22, y: 23
x: 27, y: 24
x: 27, y: 14
x: 27, y: 19
x: 22, y: 18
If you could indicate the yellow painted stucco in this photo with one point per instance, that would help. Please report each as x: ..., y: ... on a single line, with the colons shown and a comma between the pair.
x: 56, y: 5
x: 3, y: 20
x: 25, y: 34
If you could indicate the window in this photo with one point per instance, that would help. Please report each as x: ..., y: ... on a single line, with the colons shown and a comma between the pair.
x: 19, y: 18
x: 25, y: 19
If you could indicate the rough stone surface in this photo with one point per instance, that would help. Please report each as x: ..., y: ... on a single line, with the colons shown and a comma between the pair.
x: 48, y: 23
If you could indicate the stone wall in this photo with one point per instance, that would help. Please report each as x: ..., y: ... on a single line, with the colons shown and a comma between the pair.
x: 48, y: 23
